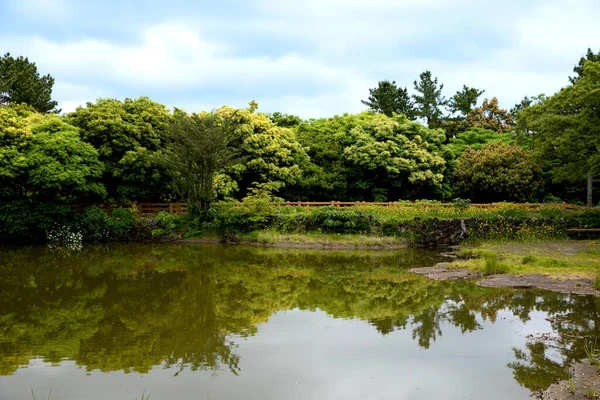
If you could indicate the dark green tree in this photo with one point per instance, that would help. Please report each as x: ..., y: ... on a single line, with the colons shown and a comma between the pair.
x: 429, y: 99
x: 523, y: 104
x: 387, y: 98
x: 578, y: 69
x: 566, y: 127
x: 285, y: 120
x: 20, y: 82
x: 196, y: 149
x: 464, y: 100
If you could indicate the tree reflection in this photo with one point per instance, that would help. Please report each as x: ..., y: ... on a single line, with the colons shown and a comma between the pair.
x: 136, y: 307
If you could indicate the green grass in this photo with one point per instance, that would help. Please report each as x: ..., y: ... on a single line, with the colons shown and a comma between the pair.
x: 591, y: 351
x: 554, y: 258
x: 492, y: 266
x: 529, y: 259
x: 591, y: 392
x: 571, y: 385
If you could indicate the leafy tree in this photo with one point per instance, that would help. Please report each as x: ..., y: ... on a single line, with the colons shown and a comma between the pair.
x: 327, y: 175
x: 285, y: 120
x: 520, y: 106
x: 476, y: 138
x: 566, y: 128
x: 429, y: 99
x: 195, y: 150
x: 20, y: 82
x: 14, y: 132
x: 272, y: 156
x: 464, y: 100
x: 60, y: 165
x: 578, y: 69
x: 127, y: 135
x: 395, y: 156
x: 387, y: 98
x: 490, y: 116
x: 498, y: 172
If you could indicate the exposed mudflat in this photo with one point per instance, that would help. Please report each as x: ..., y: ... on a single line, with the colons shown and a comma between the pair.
x: 441, y: 272
x: 577, y: 286
x: 584, y: 377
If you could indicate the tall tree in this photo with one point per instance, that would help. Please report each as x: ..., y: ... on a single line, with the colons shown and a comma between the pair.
x: 490, y: 116
x: 195, y: 150
x: 429, y: 99
x: 127, y: 135
x: 464, y: 100
x: 387, y: 98
x: 567, y: 126
x: 578, y: 69
x: 20, y: 82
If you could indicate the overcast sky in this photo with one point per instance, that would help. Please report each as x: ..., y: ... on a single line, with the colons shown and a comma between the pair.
x: 313, y: 58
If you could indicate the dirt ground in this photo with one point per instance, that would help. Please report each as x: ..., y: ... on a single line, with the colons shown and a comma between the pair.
x: 441, y: 272
x: 584, y: 377
x: 577, y: 286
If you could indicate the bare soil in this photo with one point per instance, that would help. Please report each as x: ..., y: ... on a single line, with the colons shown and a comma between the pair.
x: 584, y: 376
x: 576, y: 286
x: 441, y: 272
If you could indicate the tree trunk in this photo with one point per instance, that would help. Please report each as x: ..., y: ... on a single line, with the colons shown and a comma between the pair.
x: 589, y: 189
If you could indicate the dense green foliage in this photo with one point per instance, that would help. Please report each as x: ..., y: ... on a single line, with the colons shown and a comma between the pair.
x: 20, y: 83
x: 498, y: 171
x: 565, y: 128
x: 138, y: 150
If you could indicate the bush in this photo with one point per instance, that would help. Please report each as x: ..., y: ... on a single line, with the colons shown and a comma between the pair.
x: 337, y: 220
x: 498, y: 172
x: 28, y: 222
x: 166, y: 224
x: 122, y: 224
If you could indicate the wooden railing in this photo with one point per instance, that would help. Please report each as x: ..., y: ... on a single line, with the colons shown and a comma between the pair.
x: 182, y: 208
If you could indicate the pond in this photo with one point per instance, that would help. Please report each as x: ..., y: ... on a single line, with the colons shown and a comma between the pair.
x: 233, y: 322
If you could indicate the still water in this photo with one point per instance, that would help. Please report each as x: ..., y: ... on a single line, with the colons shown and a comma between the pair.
x: 231, y: 322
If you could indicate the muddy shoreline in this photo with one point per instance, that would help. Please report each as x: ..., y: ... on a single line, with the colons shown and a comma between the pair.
x: 441, y: 272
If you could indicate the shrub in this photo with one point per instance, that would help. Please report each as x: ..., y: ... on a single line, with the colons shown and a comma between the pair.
x: 498, y: 172
x: 165, y: 224
x: 337, y: 220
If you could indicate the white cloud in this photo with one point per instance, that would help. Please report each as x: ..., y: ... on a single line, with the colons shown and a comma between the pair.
x: 341, y: 48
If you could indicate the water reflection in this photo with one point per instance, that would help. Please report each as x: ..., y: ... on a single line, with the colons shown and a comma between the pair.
x: 133, y: 307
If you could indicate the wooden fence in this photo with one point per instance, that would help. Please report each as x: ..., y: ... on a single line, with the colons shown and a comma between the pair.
x: 182, y: 208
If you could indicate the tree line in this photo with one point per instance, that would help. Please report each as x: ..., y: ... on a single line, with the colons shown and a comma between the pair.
x: 543, y: 149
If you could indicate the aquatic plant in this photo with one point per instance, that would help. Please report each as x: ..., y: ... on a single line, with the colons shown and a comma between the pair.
x: 50, y: 396
x: 591, y: 351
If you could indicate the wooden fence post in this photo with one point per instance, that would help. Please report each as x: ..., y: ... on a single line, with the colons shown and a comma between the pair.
x: 171, y: 210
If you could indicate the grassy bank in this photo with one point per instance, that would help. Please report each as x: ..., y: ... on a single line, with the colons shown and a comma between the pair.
x: 560, y: 259
x: 260, y: 220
